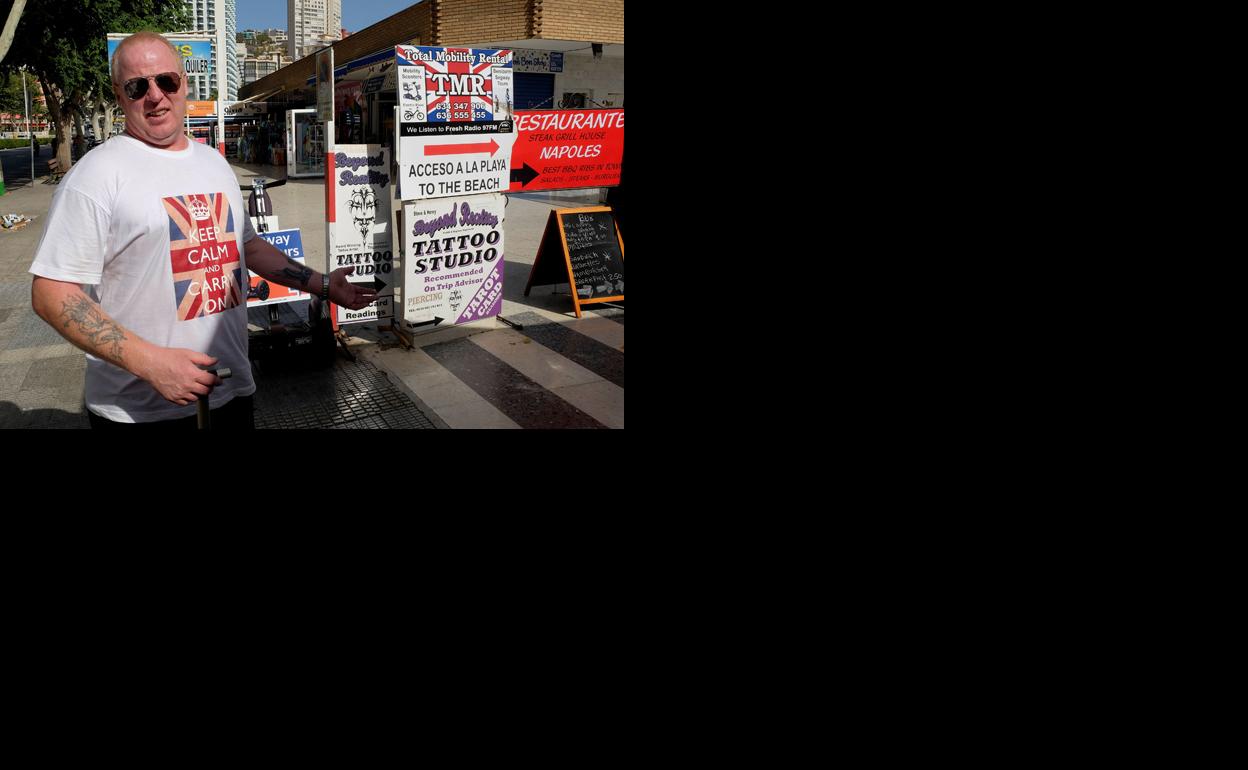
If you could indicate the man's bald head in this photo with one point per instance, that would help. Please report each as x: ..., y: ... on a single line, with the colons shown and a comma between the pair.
x: 154, y: 115
x: 142, y: 37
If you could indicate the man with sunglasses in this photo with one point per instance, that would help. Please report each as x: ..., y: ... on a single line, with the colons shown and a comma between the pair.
x: 154, y: 225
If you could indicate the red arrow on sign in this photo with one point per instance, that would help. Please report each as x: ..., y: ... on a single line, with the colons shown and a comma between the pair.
x: 461, y: 149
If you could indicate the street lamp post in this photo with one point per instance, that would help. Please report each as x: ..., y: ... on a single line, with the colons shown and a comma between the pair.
x: 29, y: 135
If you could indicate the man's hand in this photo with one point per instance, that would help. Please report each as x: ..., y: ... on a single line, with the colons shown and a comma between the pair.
x: 266, y: 261
x: 349, y: 295
x: 175, y: 373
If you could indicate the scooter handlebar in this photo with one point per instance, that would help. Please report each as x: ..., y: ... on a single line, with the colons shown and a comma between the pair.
x: 267, y: 185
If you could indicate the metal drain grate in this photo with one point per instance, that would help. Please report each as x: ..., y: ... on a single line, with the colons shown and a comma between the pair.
x: 348, y: 395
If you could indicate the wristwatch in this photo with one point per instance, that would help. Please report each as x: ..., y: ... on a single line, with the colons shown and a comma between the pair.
x: 325, y: 287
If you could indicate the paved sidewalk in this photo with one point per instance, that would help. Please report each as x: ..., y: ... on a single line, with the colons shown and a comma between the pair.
x: 557, y: 371
x: 40, y: 373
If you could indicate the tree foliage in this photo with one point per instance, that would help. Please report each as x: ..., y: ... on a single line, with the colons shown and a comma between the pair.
x: 12, y: 98
x: 65, y: 44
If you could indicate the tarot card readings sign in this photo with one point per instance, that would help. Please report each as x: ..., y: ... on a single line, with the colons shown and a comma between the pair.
x: 360, y: 234
x: 453, y: 260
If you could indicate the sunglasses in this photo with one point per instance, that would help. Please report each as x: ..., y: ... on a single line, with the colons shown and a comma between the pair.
x: 169, y: 82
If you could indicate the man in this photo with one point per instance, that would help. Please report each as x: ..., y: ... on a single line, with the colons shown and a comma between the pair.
x: 155, y: 224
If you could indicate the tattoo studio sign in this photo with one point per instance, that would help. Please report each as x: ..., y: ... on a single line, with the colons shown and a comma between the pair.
x: 360, y: 234
x: 453, y: 272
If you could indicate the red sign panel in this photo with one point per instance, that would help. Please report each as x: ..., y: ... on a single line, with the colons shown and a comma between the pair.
x: 567, y: 149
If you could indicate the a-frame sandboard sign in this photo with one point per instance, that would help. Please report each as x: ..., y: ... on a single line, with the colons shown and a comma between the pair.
x: 584, y: 248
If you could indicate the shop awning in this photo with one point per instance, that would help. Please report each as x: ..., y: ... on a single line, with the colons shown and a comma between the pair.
x: 262, y: 95
x: 363, y: 67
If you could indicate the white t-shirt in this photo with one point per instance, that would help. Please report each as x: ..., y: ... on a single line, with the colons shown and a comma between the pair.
x: 157, y: 237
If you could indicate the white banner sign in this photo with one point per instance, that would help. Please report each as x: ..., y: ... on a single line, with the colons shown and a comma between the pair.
x: 444, y: 167
x: 360, y: 234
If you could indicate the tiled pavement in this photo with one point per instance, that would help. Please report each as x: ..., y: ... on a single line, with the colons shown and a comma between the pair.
x: 556, y: 372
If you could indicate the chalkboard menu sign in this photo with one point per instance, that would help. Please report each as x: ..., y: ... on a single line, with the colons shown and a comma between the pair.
x: 584, y: 248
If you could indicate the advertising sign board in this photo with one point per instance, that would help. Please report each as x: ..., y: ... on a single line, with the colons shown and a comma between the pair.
x: 261, y: 292
x: 584, y: 248
x: 196, y: 109
x: 360, y: 233
x: 538, y: 61
x: 196, y: 50
x: 456, y: 125
x: 453, y: 273
x: 325, y: 85
x: 567, y: 149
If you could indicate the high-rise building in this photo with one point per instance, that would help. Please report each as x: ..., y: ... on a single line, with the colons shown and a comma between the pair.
x: 261, y: 53
x: 232, y: 76
x: 256, y: 67
x: 204, y: 14
x: 312, y: 24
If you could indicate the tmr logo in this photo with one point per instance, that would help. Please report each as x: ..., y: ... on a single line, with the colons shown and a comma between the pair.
x: 448, y: 84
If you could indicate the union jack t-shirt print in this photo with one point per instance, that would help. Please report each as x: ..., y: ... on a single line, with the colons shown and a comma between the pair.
x: 203, y: 251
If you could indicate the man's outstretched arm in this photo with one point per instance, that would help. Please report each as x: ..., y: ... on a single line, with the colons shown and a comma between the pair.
x: 266, y: 261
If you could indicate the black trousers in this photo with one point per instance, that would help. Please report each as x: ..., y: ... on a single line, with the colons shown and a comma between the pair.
x: 239, y: 414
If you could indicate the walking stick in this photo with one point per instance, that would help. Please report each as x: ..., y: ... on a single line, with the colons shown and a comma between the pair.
x: 205, y: 419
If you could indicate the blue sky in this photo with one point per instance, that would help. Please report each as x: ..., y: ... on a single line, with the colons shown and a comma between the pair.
x: 356, y: 14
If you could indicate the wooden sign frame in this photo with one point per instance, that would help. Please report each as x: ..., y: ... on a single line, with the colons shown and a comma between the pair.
x: 554, y: 220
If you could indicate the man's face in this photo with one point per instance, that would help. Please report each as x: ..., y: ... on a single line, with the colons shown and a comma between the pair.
x: 156, y: 118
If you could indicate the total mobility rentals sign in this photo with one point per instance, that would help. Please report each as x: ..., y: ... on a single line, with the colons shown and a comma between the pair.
x: 455, y: 127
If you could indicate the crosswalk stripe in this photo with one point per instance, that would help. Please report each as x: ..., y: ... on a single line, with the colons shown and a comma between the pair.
x: 456, y: 404
x: 616, y: 315
x: 591, y: 325
x: 520, y: 398
x: 580, y: 387
x: 571, y: 341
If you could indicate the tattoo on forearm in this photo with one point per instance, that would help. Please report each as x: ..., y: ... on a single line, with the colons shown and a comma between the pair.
x: 103, y: 333
x: 297, y: 272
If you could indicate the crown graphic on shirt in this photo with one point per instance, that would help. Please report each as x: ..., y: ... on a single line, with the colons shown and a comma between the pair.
x: 200, y: 210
